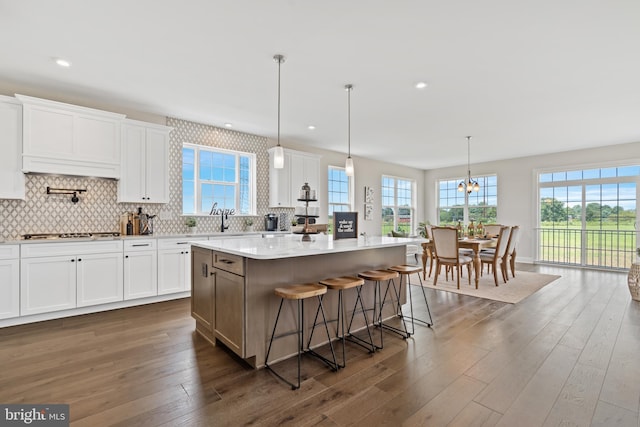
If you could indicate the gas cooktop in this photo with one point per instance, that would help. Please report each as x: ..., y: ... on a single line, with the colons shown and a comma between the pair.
x: 53, y: 236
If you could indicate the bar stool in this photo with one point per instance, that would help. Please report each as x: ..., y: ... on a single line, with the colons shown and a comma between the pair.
x: 408, y: 270
x: 340, y: 284
x: 299, y: 293
x: 378, y: 276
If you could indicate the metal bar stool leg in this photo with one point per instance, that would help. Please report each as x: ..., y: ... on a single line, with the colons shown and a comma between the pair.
x: 369, y: 344
x: 402, y: 332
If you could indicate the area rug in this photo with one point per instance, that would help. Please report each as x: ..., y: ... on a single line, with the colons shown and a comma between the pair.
x: 515, y: 290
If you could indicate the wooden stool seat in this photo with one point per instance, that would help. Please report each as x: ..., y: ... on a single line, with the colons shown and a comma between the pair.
x: 301, y: 291
x: 405, y: 269
x: 344, y: 282
x: 378, y: 275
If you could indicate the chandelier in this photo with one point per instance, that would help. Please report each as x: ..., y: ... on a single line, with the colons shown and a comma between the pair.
x: 470, y: 185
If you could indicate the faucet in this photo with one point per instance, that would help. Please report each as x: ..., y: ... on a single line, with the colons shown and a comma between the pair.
x: 222, y: 226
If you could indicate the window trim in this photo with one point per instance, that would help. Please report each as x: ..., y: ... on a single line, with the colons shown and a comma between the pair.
x: 466, y: 206
x: 351, y: 195
x: 198, y: 183
x: 414, y: 205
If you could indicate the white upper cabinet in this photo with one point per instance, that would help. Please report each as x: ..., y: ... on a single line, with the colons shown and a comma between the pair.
x: 68, y: 139
x: 285, y: 184
x: 11, y: 176
x: 145, y: 163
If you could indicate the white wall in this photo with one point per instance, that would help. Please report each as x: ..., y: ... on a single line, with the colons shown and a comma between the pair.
x: 368, y: 173
x: 517, y: 188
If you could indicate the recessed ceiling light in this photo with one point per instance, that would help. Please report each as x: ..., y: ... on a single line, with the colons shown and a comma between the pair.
x: 228, y: 125
x: 63, y: 62
x: 421, y: 85
x: 311, y: 127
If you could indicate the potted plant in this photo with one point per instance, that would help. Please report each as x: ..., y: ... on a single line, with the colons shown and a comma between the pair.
x: 422, y: 229
x: 190, y: 222
x: 248, y: 224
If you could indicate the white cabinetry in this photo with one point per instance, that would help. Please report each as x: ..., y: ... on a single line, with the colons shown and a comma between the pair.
x: 99, y: 278
x: 144, y: 176
x: 61, y: 276
x: 9, y: 281
x: 11, y: 176
x: 140, y: 268
x: 285, y: 183
x: 68, y: 139
x: 174, y: 264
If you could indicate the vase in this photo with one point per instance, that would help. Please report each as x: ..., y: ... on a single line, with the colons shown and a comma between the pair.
x: 192, y: 230
x: 633, y: 280
x: 249, y: 228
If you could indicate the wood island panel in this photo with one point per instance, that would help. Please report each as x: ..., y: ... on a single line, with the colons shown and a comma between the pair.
x: 262, y: 276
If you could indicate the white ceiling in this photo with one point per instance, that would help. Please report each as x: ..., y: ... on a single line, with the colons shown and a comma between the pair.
x: 521, y: 77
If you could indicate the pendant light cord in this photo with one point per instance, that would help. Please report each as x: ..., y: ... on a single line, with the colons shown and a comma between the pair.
x: 348, y: 89
x: 279, y: 59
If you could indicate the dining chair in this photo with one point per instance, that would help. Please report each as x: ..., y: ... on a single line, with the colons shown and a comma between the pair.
x: 445, y: 240
x: 491, y: 230
x: 497, y: 257
x: 510, y: 254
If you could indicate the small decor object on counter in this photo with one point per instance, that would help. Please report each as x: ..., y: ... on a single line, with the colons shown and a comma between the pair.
x: 308, y: 214
x: 190, y: 222
x: 345, y: 225
x: 248, y: 224
x: 633, y: 280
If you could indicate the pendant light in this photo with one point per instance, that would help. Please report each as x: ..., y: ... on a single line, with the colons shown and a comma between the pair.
x: 278, y: 152
x: 470, y: 185
x: 348, y: 165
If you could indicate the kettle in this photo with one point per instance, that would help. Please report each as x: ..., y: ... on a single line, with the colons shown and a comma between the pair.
x: 271, y: 222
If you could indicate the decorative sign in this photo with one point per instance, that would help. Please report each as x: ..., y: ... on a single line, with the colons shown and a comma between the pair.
x: 345, y: 225
x: 368, y: 211
x: 368, y: 194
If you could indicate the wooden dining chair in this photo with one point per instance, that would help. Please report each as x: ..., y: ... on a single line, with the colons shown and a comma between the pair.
x: 510, y: 255
x: 492, y: 230
x: 497, y: 257
x: 445, y: 240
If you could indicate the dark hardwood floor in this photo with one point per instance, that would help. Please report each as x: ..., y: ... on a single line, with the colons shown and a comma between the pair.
x: 568, y: 355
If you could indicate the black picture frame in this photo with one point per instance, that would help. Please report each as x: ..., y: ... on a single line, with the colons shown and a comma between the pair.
x: 345, y: 225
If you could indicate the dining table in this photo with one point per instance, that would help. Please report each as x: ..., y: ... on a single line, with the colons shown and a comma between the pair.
x: 475, y: 244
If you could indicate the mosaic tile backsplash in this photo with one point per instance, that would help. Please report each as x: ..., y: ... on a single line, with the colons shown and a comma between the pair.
x: 98, y: 209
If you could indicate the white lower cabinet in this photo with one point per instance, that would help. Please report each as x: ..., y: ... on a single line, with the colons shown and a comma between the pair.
x: 174, y: 265
x: 99, y: 279
x: 47, y: 284
x: 62, y: 276
x: 140, y: 269
x: 9, y: 281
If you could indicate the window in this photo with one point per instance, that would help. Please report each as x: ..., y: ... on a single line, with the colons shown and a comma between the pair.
x: 212, y: 176
x: 398, y: 205
x: 480, y: 206
x: 587, y: 217
x: 340, y: 193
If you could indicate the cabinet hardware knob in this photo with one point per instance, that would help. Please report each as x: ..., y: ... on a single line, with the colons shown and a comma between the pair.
x: 79, y: 259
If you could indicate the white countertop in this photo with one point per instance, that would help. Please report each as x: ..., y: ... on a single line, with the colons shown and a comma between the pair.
x: 291, y: 246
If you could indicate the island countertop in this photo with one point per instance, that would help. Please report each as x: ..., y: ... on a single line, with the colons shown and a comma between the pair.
x: 290, y: 246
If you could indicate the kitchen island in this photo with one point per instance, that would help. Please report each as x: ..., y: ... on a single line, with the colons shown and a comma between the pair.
x: 233, y: 282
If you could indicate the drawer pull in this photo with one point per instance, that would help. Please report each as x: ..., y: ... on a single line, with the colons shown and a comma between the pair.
x: 182, y: 243
x: 226, y: 261
x: 140, y: 244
